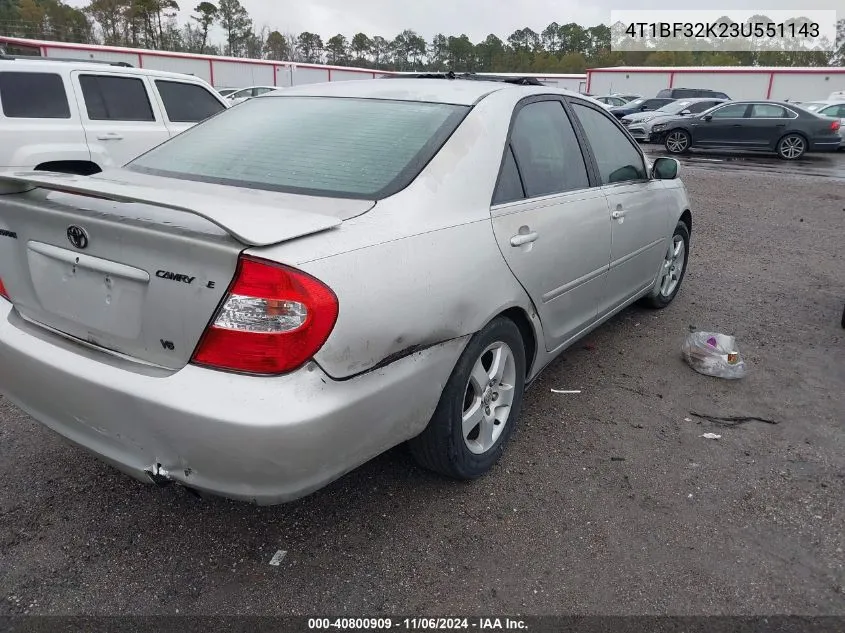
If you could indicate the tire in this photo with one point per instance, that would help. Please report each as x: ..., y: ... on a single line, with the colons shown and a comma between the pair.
x: 792, y: 147
x: 665, y: 290
x: 443, y: 446
x: 677, y: 141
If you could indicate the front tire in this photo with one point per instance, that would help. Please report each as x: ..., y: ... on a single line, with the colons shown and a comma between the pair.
x: 792, y: 147
x: 672, y: 270
x: 479, y: 406
x: 677, y: 142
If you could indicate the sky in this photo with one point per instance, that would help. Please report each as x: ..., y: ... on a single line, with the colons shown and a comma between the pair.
x: 476, y: 18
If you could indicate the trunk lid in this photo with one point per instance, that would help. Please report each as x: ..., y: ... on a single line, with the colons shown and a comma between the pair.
x: 138, y: 266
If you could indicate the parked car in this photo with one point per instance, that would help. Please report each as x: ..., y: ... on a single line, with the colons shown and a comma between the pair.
x: 692, y: 93
x: 640, y: 124
x: 83, y: 117
x: 752, y: 125
x: 292, y: 287
x: 830, y: 108
x: 639, y: 105
x: 613, y: 100
x: 248, y: 93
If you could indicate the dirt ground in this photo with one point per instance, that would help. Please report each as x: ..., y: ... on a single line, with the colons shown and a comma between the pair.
x: 606, y: 502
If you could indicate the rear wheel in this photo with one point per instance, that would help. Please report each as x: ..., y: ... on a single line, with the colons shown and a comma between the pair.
x: 479, y: 405
x: 792, y: 147
x: 677, y: 142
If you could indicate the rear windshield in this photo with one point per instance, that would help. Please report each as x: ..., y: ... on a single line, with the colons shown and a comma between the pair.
x: 326, y: 146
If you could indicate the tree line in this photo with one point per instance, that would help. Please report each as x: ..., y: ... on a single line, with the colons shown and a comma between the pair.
x: 558, y: 48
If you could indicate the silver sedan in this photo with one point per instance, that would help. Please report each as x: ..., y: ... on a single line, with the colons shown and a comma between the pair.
x: 279, y: 294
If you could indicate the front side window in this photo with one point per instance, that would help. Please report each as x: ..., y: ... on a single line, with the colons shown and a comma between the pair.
x: 342, y: 147
x: 618, y: 160
x: 733, y: 111
x: 768, y: 111
x: 701, y: 106
x: 547, y: 151
x: 33, y: 96
x: 115, y: 98
x: 187, y: 103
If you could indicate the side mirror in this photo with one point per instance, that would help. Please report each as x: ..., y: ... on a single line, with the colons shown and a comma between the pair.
x: 643, y: 108
x: 665, y: 168
x: 707, y: 117
x: 685, y: 112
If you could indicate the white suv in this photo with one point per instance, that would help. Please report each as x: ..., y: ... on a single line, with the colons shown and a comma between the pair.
x: 84, y: 117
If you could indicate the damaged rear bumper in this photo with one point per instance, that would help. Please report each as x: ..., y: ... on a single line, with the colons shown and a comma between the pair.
x: 259, y: 439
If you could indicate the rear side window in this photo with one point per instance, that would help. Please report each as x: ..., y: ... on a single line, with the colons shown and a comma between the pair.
x: 768, y: 111
x: 618, y: 160
x: 187, y: 103
x: 509, y: 187
x: 33, y: 96
x: 342, y: 147
x: 547, y: 151
x: 115, y: 98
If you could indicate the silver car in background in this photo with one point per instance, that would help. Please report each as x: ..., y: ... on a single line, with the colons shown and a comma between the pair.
x: 834, y: 108
x: 292, y: 287
x: 641, y: 124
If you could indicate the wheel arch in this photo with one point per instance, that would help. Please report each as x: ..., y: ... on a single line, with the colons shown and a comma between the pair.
x: 793, y: 133
x: 686, y: 218
x: 530, y: 336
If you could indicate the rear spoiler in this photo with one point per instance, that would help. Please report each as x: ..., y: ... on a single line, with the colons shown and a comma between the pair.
x: 262, y: 226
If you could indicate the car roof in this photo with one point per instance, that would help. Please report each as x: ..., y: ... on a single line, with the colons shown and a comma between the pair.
x: 698, y: 99
x: 454, y: 91
x: 42, y: 64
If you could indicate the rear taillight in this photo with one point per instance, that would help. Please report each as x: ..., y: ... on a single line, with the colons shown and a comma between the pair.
x: 835, y: 126
x: 3, y: 292
x: 272, y: 320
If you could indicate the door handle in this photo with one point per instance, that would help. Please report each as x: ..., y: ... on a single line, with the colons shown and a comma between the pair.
x: 524, y: 238
x: 737, y: 125
x: 111, y: 136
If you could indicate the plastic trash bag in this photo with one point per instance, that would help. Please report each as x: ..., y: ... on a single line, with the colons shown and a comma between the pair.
x: 713, y: 354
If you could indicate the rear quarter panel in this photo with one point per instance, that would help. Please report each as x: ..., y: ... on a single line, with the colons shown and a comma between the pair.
x: 422, y: 266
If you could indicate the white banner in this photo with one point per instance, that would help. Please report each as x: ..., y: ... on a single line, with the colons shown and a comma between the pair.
x: 723, y: 30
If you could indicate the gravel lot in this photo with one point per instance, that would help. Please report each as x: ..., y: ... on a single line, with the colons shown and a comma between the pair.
x: 607, y: 502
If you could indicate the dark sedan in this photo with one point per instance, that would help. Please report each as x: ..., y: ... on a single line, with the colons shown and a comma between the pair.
x: 752, y: 125
x: 640, y: 105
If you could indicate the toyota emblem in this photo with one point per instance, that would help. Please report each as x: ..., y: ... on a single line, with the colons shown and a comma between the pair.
x: 77, y: 236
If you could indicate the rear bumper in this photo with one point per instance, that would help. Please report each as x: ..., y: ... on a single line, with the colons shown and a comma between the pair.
x: 825, y: 145
x: 264, y: 440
